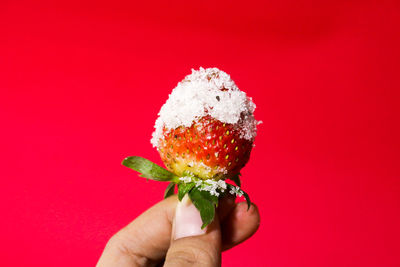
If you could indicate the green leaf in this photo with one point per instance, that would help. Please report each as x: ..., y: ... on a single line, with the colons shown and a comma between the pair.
x: 236, y: 179
x: 206, y: 195
x: 149, y: 169
x: 169, y: 191
x: 206, y: 208
x: 246, y: 196
x: 184, y: 188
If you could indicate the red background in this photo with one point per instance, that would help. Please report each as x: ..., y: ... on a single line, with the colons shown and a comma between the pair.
x: 82, y: 83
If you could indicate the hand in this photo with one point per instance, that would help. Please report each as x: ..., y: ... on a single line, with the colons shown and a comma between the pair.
x: 170, y: 233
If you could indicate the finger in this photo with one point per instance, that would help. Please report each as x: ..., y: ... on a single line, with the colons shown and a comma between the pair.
x: 145, y: 241
x: 225, y: 206
x: 190, y: 245
x: 239, y: 225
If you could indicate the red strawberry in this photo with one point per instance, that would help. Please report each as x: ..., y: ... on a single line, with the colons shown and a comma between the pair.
x: 208, y: 149
x: 206, y: 129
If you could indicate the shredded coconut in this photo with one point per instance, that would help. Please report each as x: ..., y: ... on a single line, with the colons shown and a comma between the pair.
x: 215, y: 188
x: 207, y: 92
x: 186, y: 179
x: 235, y: 190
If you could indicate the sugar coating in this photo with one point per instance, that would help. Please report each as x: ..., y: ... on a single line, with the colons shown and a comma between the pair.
x: 214, y: 187
x: 206, y: 92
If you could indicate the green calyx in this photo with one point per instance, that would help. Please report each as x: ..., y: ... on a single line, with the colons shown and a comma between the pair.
x: 204, y: 194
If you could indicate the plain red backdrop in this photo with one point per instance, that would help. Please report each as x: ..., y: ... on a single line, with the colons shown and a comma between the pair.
x: 82, y: 82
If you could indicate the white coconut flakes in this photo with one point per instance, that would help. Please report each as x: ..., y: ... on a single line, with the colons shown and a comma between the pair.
x: 207, y: 92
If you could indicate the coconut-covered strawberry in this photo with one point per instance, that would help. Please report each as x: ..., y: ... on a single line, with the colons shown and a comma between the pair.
x: 204, y: 134
x: 206, y: 127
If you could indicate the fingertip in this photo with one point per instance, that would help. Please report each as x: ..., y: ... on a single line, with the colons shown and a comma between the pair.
x: 225, y: 206
x: 240, y: 224
x: 245, y: 212
x: 187, y: 220
x: 246, y: 219
x: 191, y: 245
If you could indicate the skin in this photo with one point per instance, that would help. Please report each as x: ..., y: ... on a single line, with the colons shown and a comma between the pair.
x: 149, y: 239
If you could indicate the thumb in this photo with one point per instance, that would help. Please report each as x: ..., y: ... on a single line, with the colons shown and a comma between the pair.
x: 191, y: 245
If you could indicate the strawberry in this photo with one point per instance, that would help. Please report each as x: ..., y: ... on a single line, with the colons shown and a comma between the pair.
x: 208, y: 149
x: 204, y: 134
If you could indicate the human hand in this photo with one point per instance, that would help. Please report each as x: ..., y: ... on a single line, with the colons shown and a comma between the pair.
x: 170, y: 233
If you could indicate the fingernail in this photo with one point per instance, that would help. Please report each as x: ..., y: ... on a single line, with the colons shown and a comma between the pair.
x: 187, y: 220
